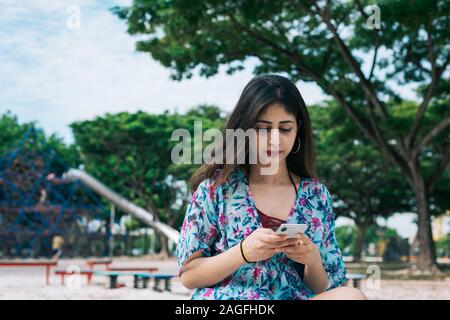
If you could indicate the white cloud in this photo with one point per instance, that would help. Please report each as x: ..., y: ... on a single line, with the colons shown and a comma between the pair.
x: 57, y: 76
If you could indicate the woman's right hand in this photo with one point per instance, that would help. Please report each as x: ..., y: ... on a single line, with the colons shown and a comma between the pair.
x: 261, y: 244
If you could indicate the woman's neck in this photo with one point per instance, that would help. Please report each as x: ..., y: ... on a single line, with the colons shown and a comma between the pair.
x: 280, y: 177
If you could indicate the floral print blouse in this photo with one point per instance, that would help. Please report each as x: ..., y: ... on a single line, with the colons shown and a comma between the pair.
x: 218, y: 218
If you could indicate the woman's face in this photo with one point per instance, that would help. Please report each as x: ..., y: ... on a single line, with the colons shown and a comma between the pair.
x: 277, y: 140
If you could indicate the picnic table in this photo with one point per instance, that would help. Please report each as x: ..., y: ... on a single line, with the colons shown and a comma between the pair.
x: 47, y: 264
x: 85, y: 272
x: 145, y: 269
x: 158, y: 277
x: 355, y: 279
x: 89, y: 272
x: 93, y: 262
x: 141, y: 279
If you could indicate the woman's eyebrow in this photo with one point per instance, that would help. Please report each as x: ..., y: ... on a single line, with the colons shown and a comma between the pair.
x: 270, y: 122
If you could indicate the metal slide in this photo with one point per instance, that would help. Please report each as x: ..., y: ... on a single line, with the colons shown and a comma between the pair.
x: 124, y: 204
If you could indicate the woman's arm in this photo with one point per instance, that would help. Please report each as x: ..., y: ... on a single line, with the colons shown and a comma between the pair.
x: 327, y: 269
x: 315, y: 276
x: 202, y: 271
x: 305, y: 251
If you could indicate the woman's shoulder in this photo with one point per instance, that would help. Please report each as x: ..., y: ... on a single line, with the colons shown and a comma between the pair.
x: 210, y: 186
x: 236, y: 175
x: 315, y: 186
x: 319, y: 198
x: 215, y: 194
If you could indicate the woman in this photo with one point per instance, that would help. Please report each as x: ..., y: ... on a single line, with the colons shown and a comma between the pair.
x: 228, y: 248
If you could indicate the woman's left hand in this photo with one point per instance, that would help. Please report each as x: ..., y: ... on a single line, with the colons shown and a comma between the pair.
x: 303, y: 251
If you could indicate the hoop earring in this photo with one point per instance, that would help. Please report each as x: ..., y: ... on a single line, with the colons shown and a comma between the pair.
x: 298, y: 148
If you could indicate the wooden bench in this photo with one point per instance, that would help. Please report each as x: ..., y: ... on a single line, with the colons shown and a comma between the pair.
x: 93, y: 262
x: 355, y: 280
x: 48, y: 264
x: 144, y: 269
x: 63, y: 273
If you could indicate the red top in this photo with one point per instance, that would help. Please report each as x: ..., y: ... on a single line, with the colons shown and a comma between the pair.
x: 268, y: 221
x: 274, y: 223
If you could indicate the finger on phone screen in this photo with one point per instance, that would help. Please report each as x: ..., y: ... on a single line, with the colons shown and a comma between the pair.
x: 288, y: 242
x: 273, y: 238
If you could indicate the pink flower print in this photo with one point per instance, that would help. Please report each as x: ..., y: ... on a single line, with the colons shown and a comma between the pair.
x: 247, y: 232
x: 223, y: 220
x: 236, y: 232
x: 256, y: 273
x: 250, y: 211
x: 329, y: 217
x: 189, y: 225
x: 254, y: 295
x: 212, y: 191
x: 212, y: 233
x: 315, y: 223
x: 302, y: 202
x: 208, y: 292
x: 316, y: 190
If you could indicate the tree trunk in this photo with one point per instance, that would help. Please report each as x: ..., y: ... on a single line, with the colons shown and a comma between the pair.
x: 164, y: 248
x: 361, y: 230
x: 426, y: 261
x: 164, y: 253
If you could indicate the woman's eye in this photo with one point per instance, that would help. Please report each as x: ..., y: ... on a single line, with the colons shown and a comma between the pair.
x: 268, y: 129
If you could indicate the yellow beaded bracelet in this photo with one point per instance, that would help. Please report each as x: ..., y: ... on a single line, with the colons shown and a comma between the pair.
x: 242, y: 252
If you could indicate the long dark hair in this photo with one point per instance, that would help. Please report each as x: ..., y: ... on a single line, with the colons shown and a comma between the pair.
x: 258, y: 94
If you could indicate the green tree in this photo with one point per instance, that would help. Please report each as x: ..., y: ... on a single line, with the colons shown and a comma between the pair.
x: 346, y: 236
x: 328, y: 43
x: 365, y: 186
x: 12, y: 133
x: 211, y: 117
x: 443, y: 246
x: 131, y: 153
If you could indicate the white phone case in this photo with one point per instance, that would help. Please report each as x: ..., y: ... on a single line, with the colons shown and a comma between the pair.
x: 292, y: 230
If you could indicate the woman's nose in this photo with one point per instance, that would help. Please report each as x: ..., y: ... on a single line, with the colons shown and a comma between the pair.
x: 274, y: 137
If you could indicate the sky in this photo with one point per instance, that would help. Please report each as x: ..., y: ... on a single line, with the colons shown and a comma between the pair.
x: 55, y: 74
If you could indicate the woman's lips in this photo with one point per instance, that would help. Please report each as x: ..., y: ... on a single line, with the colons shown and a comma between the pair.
x: 270, y: 152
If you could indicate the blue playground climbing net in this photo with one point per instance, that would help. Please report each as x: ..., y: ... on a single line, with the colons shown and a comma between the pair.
x: 37, y: 203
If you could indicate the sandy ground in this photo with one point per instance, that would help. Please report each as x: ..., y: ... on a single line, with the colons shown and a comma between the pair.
x: 29, y: 283
x: 409, y: 290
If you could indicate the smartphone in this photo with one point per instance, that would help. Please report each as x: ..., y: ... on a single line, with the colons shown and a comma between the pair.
x: 292, y: 230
